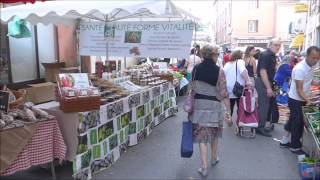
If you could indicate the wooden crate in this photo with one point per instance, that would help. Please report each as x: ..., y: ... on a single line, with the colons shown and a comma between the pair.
x: 77, y: 104
x: 80, y: 104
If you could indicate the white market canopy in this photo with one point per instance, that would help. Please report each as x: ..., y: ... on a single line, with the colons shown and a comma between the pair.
x: 65, y: 12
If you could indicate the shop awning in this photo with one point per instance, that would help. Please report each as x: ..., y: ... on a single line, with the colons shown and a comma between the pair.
x: 17, y: 1
x: 297, y: 41
x: 300, y: 7
x: 66, y: 12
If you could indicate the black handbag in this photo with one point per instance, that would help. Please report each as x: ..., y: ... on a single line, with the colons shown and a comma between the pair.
x: 237, y: 88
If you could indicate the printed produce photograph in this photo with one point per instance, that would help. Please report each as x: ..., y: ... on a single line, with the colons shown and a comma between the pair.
x: 125, y: 119
x: 105, y: 131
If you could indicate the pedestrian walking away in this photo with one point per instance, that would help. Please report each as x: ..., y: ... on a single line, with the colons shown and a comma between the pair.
x: 235, y: 71
x: 250, y: 61
x: 207, y: 117
x: 192, y: 61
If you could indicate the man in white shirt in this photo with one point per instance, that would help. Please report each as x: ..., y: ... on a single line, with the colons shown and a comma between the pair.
x: 192, y: 61
x: 301, y: 82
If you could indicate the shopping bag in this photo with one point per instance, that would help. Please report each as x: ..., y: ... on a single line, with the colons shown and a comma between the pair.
x: 18, y: 28
x: 186, y: 141
x: 247, y: 111
x: 188, y: 104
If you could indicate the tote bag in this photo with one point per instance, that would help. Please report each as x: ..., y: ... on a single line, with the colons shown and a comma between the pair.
x: 186, y: 141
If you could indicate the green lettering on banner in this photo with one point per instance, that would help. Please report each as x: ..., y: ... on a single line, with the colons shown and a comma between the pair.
x: 92, y: 27
x: 178, y: 27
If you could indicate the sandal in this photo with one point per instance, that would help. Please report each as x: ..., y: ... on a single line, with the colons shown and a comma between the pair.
x: 214, y: 162
x: 203, y: 171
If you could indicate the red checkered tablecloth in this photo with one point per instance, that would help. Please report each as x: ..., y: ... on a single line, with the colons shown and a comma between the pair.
x: 46, y: 145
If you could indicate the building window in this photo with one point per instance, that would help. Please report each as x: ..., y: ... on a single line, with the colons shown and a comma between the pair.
x: 253, y: 26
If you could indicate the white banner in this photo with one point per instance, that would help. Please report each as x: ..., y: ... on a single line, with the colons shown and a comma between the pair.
x: 144, y: 39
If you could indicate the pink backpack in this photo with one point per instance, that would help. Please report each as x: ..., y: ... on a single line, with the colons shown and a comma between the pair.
x: 248, y: 111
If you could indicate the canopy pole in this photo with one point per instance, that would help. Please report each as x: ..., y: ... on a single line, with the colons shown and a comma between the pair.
x: 106, y: 36
x: 195, y: 32
x: 79, y: 63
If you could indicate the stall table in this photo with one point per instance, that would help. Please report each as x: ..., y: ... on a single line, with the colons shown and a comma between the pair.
x: 96, y: 139
x: 45, y: 145
x: 68, y: 123
x: 310, y: 143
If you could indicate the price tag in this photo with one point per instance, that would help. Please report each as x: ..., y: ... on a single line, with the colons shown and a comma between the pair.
x: 95, y: 92
x: 84, y: 93
x: 71, y: 93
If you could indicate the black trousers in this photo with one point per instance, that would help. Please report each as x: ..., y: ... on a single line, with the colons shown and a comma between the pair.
x: 233, y: 101
x: 295, y: 124
x: 273, y: 112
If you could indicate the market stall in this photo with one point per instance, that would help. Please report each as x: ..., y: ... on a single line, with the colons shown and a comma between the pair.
x: 98, y: 119
x: 309, y: 167
x: 96, y: 139
x: 311, y: 134
x: 45, y: 145
x: 28, y: 135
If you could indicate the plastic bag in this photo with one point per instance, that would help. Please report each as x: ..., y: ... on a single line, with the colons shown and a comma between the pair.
x: 18, y: 29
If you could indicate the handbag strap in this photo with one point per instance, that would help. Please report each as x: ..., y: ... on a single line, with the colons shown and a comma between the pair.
x: 192, y: 76
x: 236, y: 70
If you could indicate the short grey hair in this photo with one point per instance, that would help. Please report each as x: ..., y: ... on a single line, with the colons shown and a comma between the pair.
x: 208, y: 51
x: 274, y: 40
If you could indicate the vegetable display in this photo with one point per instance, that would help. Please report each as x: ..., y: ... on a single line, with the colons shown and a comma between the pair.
x: 312, y: 117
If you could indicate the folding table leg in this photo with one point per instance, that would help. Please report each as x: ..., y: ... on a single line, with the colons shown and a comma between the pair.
x: 53, y: 172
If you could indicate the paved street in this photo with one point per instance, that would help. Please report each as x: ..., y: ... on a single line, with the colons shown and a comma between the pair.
x: 158, y: 157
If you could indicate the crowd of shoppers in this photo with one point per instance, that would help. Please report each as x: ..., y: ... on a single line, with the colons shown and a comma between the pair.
x: 214, y: 100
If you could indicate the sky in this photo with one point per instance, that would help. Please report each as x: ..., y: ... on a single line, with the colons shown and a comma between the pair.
x: 200, y: 8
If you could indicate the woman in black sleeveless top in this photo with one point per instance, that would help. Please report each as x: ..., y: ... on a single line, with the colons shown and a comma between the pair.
x: 250, y: 61
x: 209, y: 86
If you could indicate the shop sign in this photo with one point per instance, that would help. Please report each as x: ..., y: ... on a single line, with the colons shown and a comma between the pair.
x: 252, y: 41
x: 74, y: 80
x: 144, y: 39
x: 301, y: 7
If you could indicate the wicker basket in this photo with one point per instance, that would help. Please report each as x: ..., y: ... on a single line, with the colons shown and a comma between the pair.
x: 20, y: 98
